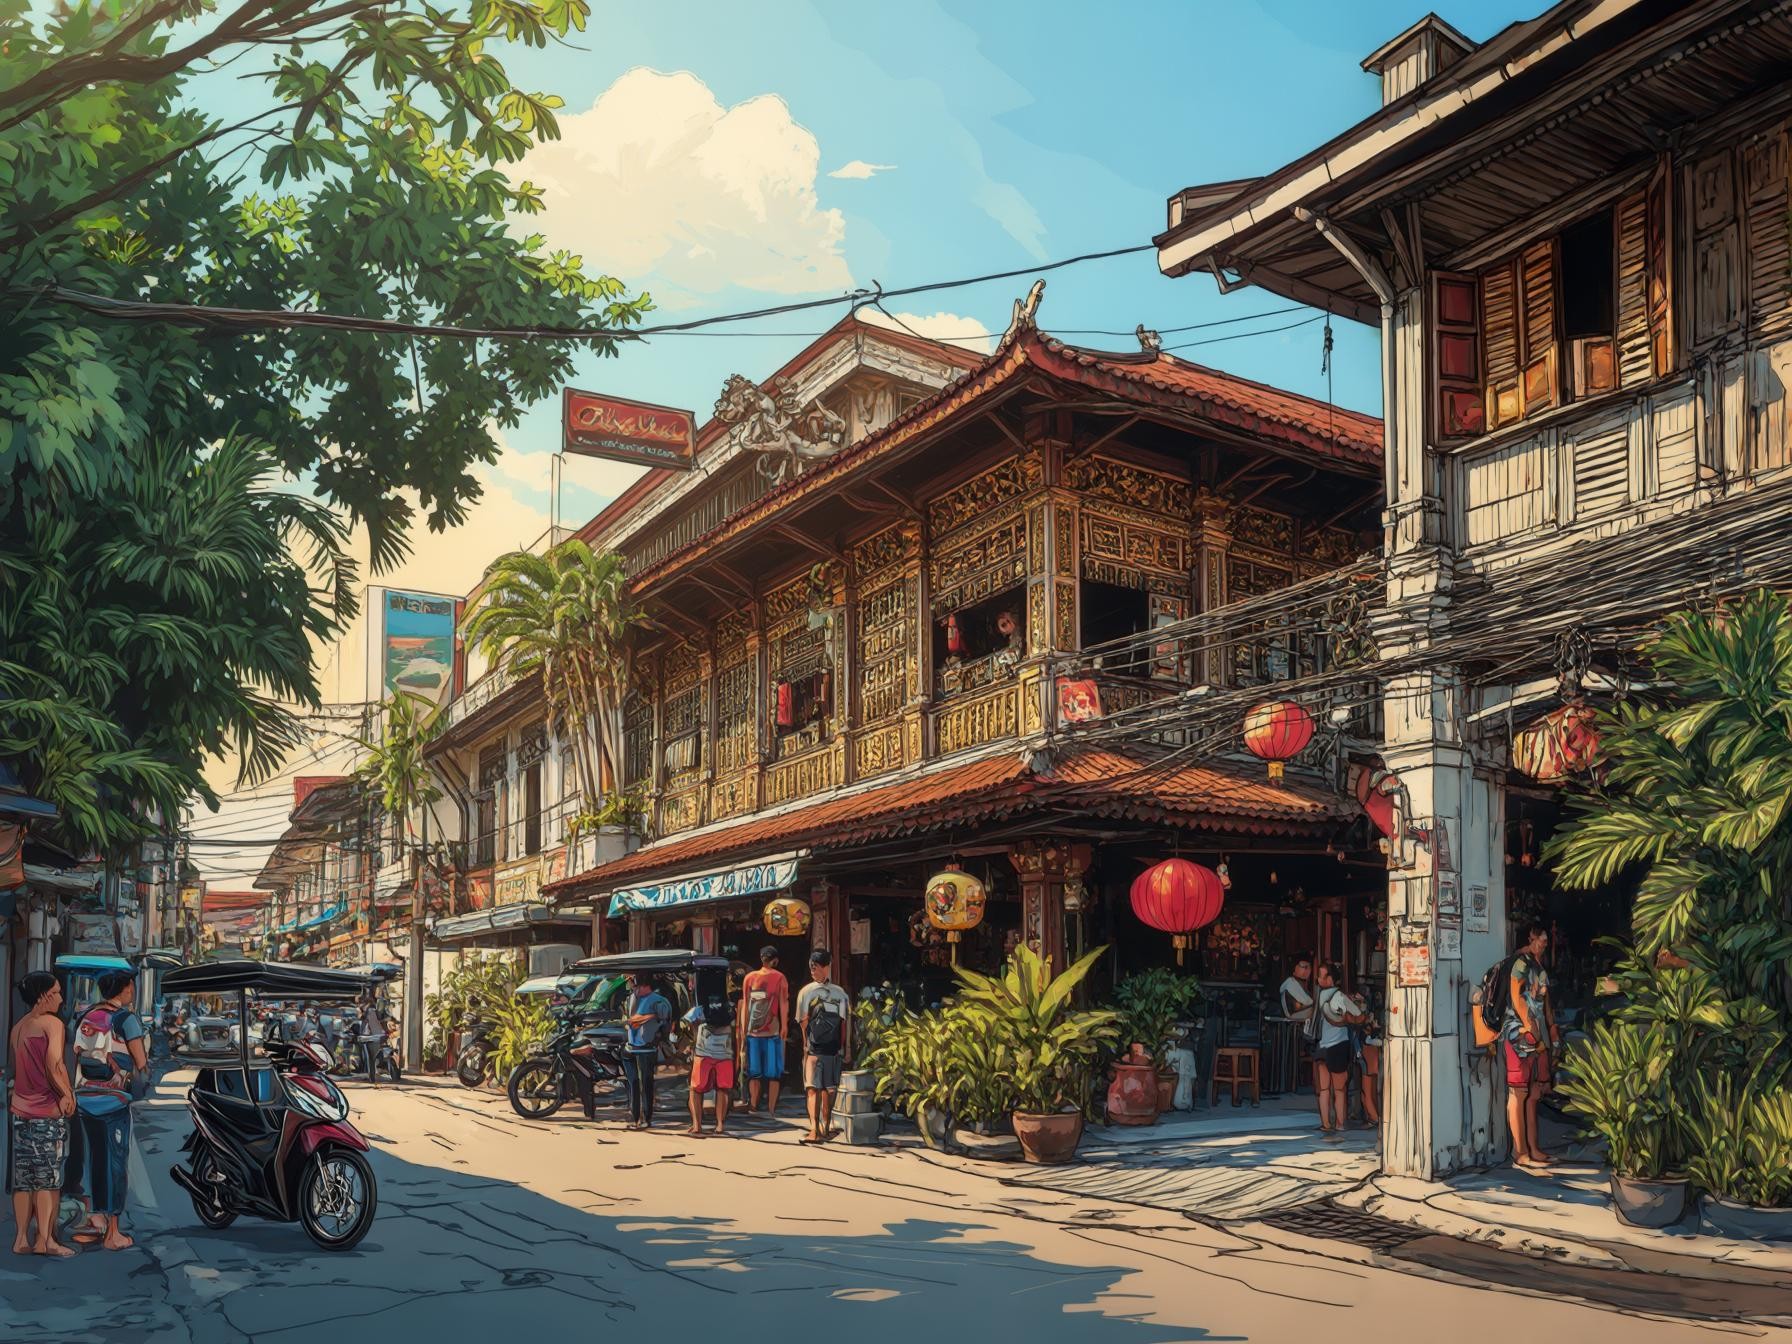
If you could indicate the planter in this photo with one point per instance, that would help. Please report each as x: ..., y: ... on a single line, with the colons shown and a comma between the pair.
x: 1049, y: 1140
x: 1649, y: 1203
x: 1166, y: 1090
x: 1132, y: 1098
x: 1745, y: 1222
x: 987, y: 1146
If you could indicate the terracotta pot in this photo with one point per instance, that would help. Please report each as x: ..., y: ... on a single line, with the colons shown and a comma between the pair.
x: 1166, y: 1090
x: 1132, y: 1097
x: 1049, y: 1140
x: 1746, y: 1222
x: 1649, y: 1203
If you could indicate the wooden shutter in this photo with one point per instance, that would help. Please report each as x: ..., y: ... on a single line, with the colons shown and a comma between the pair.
x: 1456, y: 356
x: 1659, y: 269
x: 1716, y: 244
x: 1538, y: 325
x: 1631, y: 219
x: 1500, y: 344
x: 1768, y: 203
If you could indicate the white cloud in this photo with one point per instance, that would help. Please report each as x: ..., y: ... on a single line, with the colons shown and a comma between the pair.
x: 966, y: 332
x: 659, y: 184
x: 858, y: 169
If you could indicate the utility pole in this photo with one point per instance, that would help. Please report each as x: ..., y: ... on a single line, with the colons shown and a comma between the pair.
x: 413, y: 980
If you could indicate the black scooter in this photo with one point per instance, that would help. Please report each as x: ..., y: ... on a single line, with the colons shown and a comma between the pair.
x: 582, y: 1057
x: 474, y: 1063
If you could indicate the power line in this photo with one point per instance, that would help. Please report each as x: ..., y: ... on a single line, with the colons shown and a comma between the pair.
x: 139, y: 310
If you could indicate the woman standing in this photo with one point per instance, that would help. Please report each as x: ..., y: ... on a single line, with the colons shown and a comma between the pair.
x: 1337, y: 1014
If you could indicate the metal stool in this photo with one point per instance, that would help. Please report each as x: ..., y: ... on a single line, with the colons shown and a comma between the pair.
x: 1236, y: 1066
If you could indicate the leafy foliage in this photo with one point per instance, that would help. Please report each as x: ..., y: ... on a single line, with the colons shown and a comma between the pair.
x: 567, y: 615
x: 519, y: 1026
x: 474, y: 988
x: 1696, y: 789
x: 148, y: 617
x: 1152, y: 1002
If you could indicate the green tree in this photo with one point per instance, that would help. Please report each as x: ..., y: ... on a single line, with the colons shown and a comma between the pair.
x: 568, y: 616
x: 1697, y: 782
x: 366, y: 175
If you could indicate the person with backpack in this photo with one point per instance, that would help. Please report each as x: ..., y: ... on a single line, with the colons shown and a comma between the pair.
x: 1338, y: 1012
x: 112, y: 1071
x: 43, y: 1100
x: 824, y: 1012
x: 712, y: 1061
x: 1529, y: 1038
x: 765, y: 1016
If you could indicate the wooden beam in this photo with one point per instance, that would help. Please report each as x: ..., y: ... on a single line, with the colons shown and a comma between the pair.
x: 1020, y: 444
x: 1103, y: 441
x: 904, y: 502
x: 809, y: 544
x: 1279, y: 282
x: 1362, y: 501
x: 1411, y: 273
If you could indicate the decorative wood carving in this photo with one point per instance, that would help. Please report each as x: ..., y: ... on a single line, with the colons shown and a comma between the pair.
x: 971, y: 723
x: 978, y: 496
x: 968, y: 569
x: 800, y: 776
x: 1124, y: 483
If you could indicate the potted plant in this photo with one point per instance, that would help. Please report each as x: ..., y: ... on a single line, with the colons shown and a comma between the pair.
x: 1616, y: 1080
x: 910, y: 1064
x: 1742, y: 1146
x: 1152, y: 1004
x: 1052, y: 1049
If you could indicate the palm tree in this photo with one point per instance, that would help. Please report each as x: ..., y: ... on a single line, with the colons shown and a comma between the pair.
x: 566, y: 615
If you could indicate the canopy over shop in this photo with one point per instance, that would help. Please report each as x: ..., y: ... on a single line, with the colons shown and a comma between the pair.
x: 1054, y: 846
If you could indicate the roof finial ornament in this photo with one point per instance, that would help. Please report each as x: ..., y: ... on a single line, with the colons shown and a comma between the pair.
x: 1149, y: 341
x: 1024, y: 312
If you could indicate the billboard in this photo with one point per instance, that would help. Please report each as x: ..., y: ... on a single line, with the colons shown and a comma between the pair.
x: 627, y: 431
x: 417, y: 645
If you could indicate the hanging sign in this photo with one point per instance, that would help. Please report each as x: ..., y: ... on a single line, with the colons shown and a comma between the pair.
x: 752, y: 880
x: 627, y: 431
x: 1079, y: 700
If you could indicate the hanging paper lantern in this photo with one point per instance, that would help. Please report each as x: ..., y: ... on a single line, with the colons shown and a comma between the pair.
x: 954, y: 903
x: 1563, y: 742
x: 1177, y: 897
x: 1277, y: 731
x: 787, y: 917
x: 786, y: 710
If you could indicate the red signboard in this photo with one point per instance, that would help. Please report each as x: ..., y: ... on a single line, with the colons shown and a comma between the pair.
x: 627, y: 431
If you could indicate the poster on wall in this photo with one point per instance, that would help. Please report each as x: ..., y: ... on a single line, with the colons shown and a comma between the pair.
x: 417, y: 645
x: 1415, y: 956
x: 1477, y: 918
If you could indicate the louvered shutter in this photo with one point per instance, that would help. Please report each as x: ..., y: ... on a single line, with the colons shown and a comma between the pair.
x: 1500, y: 344
x: 1631, y: 219
x: 1541, y: 349
x: 1456, y: 356
x: 1659, y: 269
x: 1769, y: 250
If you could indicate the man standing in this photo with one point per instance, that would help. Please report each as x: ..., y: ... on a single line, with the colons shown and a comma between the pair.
x: 112, y: 1057
x: 648, y: 1015
x: 1528, y: 1025
x: 43, y: 1099
x: 765, y: 1015
x: 825, y: 1014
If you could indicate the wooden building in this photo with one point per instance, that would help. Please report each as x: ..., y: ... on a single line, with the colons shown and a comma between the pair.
x: 868, y: 668
x: 1574, y: 240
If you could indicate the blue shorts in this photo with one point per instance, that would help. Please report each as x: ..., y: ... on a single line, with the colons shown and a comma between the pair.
x: 765, y: 1057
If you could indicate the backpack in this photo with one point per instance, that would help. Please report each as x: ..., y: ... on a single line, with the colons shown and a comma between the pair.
x: 824, y: 1029
x: 1492, y: 999
x: 95, y: 1044
x: 759, y: 1012
x: 718, y: 1014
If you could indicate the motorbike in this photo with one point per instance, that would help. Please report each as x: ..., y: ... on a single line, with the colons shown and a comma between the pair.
x: 474, y: 1064
x: 274, y: 1140
x: 581, y: 1056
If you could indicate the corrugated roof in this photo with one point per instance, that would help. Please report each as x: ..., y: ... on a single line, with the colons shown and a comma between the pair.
x: 1100, y: 782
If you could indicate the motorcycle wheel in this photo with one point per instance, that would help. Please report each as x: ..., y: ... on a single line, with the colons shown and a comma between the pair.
x: 337, y: 1198
x: 471, y: 1068
x: 205, y: 1169
x: 537, y: 1088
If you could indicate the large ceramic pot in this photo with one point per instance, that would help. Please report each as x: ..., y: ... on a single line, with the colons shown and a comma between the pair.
x: 1049, y: 1140
x: 1132, y: 1097
x: 1745, y: 1221
x: 1649, y: 1203
x: 1166, y: 1090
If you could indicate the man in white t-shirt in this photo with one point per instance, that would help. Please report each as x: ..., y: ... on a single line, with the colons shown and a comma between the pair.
x: 824, y: 1014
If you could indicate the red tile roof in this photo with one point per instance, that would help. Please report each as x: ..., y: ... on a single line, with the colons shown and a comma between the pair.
x: 1175, y: 385
x: 1103, y: 783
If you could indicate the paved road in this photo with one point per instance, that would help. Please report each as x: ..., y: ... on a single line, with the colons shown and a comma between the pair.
x: 494, y: 1229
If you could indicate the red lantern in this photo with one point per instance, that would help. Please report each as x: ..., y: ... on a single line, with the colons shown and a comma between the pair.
x: 786, y: 705
x: 1276, y: 731
x: 1563, y: 742
x: 954, y: 637
x: 1177, y: 897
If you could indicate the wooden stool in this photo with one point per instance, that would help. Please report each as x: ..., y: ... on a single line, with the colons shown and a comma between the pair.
x: 1235, y: 1066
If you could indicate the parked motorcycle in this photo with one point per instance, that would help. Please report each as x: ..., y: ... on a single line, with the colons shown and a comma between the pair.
x: 474, y: 1064
x: 274, y: 1140
x: 582, y: 1057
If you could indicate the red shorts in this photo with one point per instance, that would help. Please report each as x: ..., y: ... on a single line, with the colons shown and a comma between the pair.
x: 1525, y: 1070
x: 710, y: 1075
